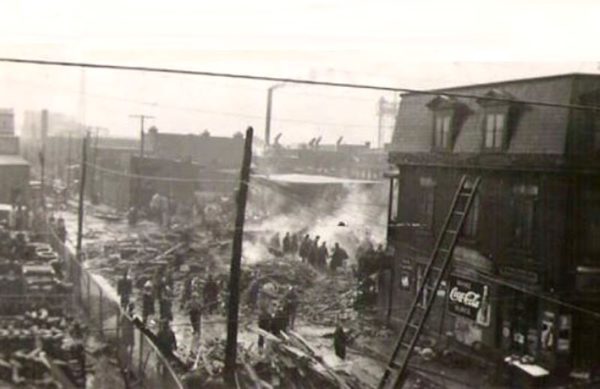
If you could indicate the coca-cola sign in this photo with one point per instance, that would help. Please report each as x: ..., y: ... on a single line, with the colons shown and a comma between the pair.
x: 466, y: 298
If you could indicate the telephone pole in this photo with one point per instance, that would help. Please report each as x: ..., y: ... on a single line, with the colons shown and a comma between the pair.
x: 142, y: 118
x: 236, y: 264
x: 81, y: 196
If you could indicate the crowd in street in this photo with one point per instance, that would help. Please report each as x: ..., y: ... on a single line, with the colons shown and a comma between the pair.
x: 311, y: 251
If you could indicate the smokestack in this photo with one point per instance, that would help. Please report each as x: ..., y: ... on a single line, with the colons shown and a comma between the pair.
x: 44, y: 127
x: 339, y: 141
x: 311, y: 142
x: 276, y: 140
x: 318, y: 141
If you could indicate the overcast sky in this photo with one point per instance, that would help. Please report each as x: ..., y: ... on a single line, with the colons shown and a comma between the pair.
x: 416, y: 44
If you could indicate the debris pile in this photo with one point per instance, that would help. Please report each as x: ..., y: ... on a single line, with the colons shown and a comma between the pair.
x: 287, y: 362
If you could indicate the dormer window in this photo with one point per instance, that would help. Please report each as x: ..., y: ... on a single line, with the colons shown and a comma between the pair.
x: 499, y: 112
x: 441, y: 131
x: 448, y: 116
x: 495, y: 130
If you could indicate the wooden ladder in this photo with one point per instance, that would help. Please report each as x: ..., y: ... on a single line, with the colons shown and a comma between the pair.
x: 395, y: 372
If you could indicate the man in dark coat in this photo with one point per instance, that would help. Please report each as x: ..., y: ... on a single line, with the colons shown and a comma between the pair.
x: 166, y: 304
x: 194, y: 309
x: 338, y: 257
x: 124, y: 288
x: 165, y: 340
x: 291, y: 306
x: 264, y: 323
x: 340, y: 340
x: 147, y: 301
x: 305, y: 247
x: 322, y: 255
x: 286, y: 243
x: 313, y: 255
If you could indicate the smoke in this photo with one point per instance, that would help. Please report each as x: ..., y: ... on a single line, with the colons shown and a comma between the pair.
x: 347, y: 213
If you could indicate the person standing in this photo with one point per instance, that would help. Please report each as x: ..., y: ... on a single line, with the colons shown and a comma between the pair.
x: 211, y: 294
x: 313, y: 256
x: 264, y: 323
x: 340, y: 340
x: 166, y: 304
x: 254, y: 291
x: 286, y: 244
x: 291, y: 306
x: 194, y: 309
x: 338, y: 257
x: 305, y: 247
x: 165, y: 340
x: 124, y: 289
x: 147, y: 301
x: 322, y: 256
x: 294, y: 244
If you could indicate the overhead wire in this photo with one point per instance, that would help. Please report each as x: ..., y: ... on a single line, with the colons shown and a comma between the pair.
x: 164, y: 70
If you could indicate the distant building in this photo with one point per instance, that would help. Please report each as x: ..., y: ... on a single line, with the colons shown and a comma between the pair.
x: 7, y: 122
x: 529, y: 249
x: 336, y: 160
x: 214, y: 152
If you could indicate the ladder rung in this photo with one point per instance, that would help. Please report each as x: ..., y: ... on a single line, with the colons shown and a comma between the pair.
x: 435, y: 268
x: 406, y: 345
x: 465, y: 194
x: 452, y: 232
x: 413, y: 326
x: 459, y: 213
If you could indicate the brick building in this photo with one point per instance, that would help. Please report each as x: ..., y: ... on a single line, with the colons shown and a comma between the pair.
x: 529, y: 249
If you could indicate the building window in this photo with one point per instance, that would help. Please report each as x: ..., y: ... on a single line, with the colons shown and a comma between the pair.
x: 441, y: 131
x: 427, y: 202
x: 524, y: 217
x: 495, y: 125
x: 472, y: 219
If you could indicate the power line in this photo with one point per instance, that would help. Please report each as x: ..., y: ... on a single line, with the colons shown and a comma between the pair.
x: 205, y: 111
x: 293, y: 81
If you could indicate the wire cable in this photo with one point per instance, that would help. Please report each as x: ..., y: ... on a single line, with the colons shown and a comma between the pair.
x: 293, y: 81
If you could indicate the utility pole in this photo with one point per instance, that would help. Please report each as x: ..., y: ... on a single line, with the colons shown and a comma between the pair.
x: 93, y: 172
x: 142, y: 118
x: 268, y: 115
x: 68, y: 179
x: 236, y: 260
x: 81, y: 195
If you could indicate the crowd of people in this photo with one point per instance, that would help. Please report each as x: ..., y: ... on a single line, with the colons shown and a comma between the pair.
x: 311, y: 251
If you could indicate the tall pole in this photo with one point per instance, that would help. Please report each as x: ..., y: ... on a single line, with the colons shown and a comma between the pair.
x: 69, y: 166
x: 93, y: 172
x: 142, y: 119
x: 81, y: 195
x: 236, y: 259
x: 268, y: 116
x: 269, y: 109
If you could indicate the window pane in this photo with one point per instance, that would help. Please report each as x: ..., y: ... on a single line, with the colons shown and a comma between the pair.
x: 489, y: 131
x: 499, y: 135
x: 446, y: 134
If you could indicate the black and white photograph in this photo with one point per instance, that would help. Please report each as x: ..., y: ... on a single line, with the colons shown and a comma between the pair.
x: 303, y: 194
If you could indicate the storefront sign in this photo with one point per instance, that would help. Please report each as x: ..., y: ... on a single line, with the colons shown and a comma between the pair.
x: 519, y: 274
x: 466, y: 298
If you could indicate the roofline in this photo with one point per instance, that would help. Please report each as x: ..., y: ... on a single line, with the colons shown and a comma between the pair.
x: 505, y: 82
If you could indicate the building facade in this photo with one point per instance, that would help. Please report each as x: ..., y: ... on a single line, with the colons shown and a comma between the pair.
x: 528, y: 253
